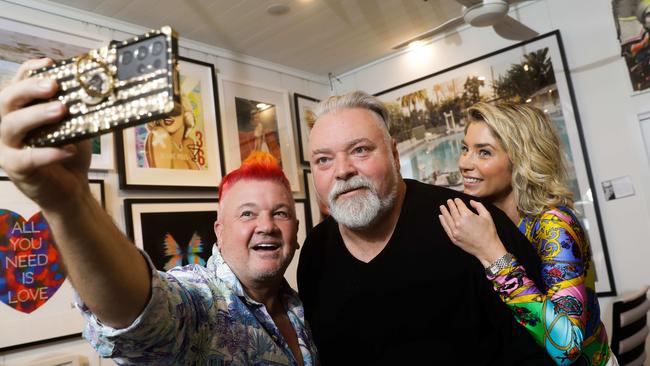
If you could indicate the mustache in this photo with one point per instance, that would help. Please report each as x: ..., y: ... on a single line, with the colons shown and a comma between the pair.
x: 353, y: 183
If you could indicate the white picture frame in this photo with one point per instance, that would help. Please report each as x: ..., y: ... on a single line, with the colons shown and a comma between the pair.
x: 277, y: 101
x: 197, y: 81
x: 20, y: 42
x: 56, y: 318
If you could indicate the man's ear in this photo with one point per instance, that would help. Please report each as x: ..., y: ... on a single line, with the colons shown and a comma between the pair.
x: 396, y: 155
x: 218, y: 230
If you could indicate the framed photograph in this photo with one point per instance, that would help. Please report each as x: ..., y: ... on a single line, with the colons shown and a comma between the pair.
x: 37, y: 299
x: 257, y: 118
x: 305, y: 119
x: 178, y: 152
x: 428, y: 123
x: 174, y: 232
x: 632, y: 19
x: 20, y: 42
x: 318, y: 210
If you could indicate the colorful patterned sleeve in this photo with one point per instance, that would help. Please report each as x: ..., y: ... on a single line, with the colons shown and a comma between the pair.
x: 161, y: 332
x: 555, y: 317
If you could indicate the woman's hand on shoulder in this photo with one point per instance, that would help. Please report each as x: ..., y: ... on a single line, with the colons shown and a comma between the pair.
x: 475, y: 234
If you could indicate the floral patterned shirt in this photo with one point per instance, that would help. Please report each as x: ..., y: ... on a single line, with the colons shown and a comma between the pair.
x: 564, y: 316
x: 201, y: 315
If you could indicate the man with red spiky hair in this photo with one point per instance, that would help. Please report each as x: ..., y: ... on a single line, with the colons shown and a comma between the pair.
x: 236, y: 310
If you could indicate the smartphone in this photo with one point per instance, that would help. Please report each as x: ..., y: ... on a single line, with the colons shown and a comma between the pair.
x: 113, y: 87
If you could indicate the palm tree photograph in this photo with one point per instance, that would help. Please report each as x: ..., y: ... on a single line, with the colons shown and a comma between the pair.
x: 428, y: 123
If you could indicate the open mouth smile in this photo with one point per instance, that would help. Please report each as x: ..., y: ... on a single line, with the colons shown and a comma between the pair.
x: 266, y: 247
x: 471, y: 180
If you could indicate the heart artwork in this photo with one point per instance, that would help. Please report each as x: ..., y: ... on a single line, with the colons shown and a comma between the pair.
x: 30, y: 264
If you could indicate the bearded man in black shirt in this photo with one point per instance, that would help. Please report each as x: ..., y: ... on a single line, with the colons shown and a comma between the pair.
x: 381, y: 282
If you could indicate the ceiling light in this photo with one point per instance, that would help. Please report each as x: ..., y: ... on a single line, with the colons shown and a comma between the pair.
x: 415, y: 44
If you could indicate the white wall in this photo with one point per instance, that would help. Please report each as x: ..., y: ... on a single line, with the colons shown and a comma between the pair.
x: 90, y: 30
x: 607, y: 105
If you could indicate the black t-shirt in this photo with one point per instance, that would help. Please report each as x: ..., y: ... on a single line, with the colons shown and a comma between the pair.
x: 421, y: 300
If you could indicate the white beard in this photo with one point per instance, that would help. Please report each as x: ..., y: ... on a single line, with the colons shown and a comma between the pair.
x: 362, y: 209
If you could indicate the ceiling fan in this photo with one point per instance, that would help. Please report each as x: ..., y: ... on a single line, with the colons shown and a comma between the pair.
x: 482, y: 13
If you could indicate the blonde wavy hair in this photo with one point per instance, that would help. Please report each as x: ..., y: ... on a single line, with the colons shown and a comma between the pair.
x: 529, y: 138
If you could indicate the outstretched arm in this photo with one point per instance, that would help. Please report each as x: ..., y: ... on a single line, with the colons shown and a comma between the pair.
x: 556, y: 317
x: 105, y: 268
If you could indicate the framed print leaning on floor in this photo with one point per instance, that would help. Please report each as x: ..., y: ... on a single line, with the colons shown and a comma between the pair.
x: 36, y: 298
x: 177, y: 152
x: 428, y: 123
x: 20, y: 42
x: 257, y: 118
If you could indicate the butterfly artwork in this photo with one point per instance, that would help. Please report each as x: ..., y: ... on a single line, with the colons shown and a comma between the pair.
x: 179, y: 256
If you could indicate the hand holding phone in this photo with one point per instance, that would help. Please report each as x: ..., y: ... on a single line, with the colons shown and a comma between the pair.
x: 113, y: 87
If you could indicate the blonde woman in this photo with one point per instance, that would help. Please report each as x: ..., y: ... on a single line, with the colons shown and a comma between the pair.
x: 511, y: 157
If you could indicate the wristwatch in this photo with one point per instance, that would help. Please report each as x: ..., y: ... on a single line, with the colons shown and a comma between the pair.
x: 499, y: 264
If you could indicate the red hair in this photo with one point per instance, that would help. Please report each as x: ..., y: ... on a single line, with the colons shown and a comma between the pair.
x: 258, y: 165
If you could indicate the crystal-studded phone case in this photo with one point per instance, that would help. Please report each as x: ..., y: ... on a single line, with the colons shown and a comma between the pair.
x: 113, y: 87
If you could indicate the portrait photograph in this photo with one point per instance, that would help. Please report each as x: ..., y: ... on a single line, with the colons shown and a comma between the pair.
x: 257, y: 126
x: 257, y: 117
x: 151, y: 155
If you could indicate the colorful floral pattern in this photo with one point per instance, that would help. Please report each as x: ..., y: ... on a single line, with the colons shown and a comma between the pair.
x: 564, y: 316
x: 202, y: 316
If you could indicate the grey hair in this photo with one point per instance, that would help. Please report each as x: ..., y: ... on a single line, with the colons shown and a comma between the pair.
x: 355, y: 99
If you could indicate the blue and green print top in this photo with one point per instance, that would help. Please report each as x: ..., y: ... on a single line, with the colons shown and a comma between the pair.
x: 202, y: 316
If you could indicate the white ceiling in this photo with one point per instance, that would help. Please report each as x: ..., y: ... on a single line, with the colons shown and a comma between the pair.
x: 317, y: 36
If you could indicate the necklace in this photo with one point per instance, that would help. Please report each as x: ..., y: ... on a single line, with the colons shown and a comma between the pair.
x: 178, y: 146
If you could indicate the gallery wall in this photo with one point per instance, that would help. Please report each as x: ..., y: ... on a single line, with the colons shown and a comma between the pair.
x: 82, y: 29
x: 608, y: 107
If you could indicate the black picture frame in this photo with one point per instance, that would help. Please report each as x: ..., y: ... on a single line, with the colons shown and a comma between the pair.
x: 148, y: 221
x: 151, y: 239
x: 201, y: 166
x: 303, y: 103
x: 436, y: 128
